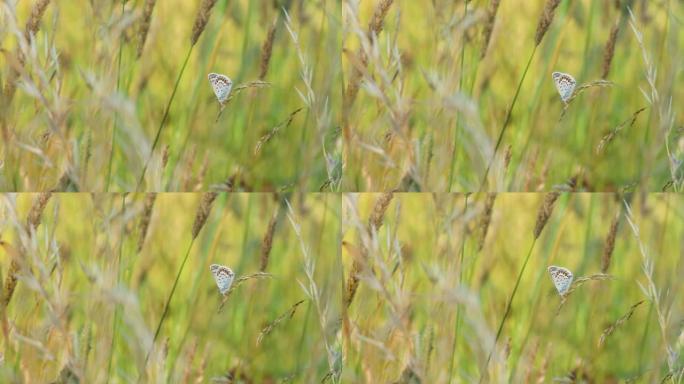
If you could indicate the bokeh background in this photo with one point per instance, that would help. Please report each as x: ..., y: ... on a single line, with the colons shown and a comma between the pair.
x: 434, y: 90
x: 82, y: 89
x: 87, y: 298
x: 435, y: 272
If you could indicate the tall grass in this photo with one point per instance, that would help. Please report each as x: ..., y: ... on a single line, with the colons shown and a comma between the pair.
x: 85, y: 297
x: 444, y: 87
x: 424, y: 273
x: 72, y: 120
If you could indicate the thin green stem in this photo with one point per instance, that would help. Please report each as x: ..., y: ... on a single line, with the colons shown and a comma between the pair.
x: 458, y: 309
x: 507, y: 120
x: 166, y: 308
x: 116, y: 115
x: 458, y: 118
x: 163, y: 120
x: 117, y: 309
x: 507, y: 311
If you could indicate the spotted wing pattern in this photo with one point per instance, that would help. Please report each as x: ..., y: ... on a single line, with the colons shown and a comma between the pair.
x: 562, y: 278
x: 223, y: 276
x: 565, y: 85
x: 222, y: 85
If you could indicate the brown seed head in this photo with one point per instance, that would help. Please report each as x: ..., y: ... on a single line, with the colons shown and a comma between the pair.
x: 609, y: 51
x: 378, y: 214
x: 267, y: 243
x: 376, y: 23
x: 267, y: 50
x: 145, y: 220
x: 33, y: 22
x: 11, y: 280
x: 545, y: 20
x: 202, y: 19
x: 489, y: 25
x: 486, y: 219
x: 203, y: 212
x: 145, y: 24
x: 36, y: 212
x: 545, y: 212
x: 609, y: 245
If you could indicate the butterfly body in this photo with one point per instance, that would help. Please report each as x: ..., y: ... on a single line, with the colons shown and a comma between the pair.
x: 565, y: 84
x: 562, y: 278
x: 222, y: 85
x: 223, y: 276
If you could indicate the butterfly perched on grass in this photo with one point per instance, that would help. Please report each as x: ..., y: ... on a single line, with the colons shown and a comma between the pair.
x: 223, y: 276
x: 222, y: 85
x: 562, y: 279
x: 565, y: 84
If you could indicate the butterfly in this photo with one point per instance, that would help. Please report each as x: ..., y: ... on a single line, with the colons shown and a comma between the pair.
x: 222, y: 85
x: 565, y: 85
x: 223, y: 276
x: 562, y: 278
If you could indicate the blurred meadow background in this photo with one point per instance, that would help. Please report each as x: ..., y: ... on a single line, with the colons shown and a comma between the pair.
x: 86, y: 278
x: 96, y: 94
x: 429, y: 280
x: 449, y: 95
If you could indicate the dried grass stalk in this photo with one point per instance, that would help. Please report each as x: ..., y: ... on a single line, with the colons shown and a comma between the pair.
x: 11, y: 280
x: 545, y: 20
x: 623, y: 319
x: 378, y: 214
x: 203, y: 212
x: 267, y: 50
x: 608, y: 137
x: 199, y: 182
x: 376, y: 24
x: 285, y: 316
x: 189, y: 358
x: 578, y: 282
x: 36, y: 212
x: 150, y: 198
x: 267, y: 137
x: 609, y: 244
x: 609, y: 51
x: 374, y: 28
x: 489, y: 26
x: 352, y: 282
x: 486, y: 219
x: 165, y: 156
x: 145, y: 25
x: 360, y: 255
x: 267, y: 243
x: 33, y: 22
x: 238, y: 282
x: 545, y: 212
x: 202, y: 19
x: 508, y: 154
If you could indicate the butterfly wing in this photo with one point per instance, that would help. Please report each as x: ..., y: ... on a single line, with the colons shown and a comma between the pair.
x: 223, y: 276
x: 565, y: 84
x: 562, y: 278
x: 222, y: 85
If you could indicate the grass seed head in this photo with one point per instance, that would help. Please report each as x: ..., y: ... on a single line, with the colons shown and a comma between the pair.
x: 609, y: 245
x: 33, y: 22
x: 145, y: 25
x: 545, y: 20
x: 203, y: 212
x: 545, y: 212
x: 36, y: 212
x: 489, y: 26
x: 202, y: 19
x: 609, y: 51
x: 267, y: 50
